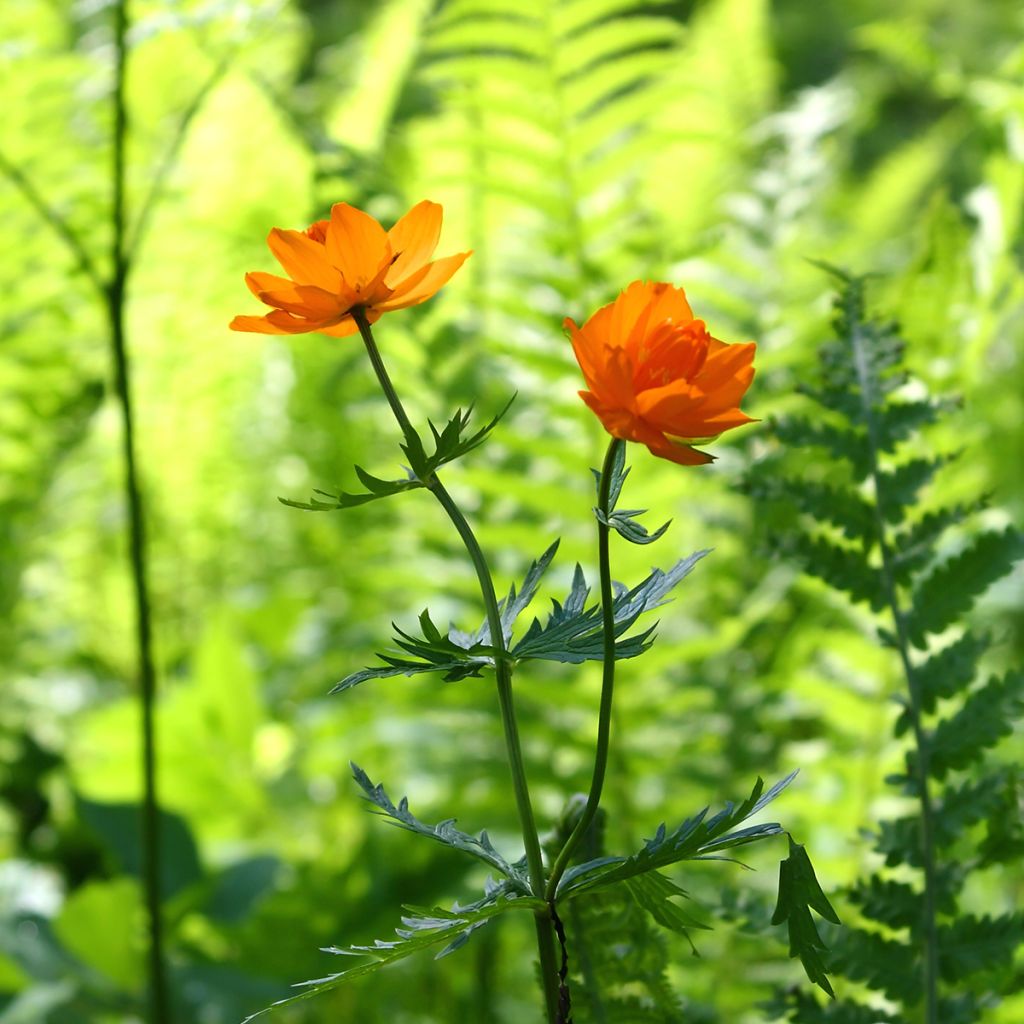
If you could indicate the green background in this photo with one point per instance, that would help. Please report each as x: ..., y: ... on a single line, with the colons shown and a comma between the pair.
x: 576, y: 145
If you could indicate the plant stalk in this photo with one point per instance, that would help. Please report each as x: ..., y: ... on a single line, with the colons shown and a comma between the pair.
x: 159, y: 1011
x: 503, y: 677
x: 604, y: 724
x: 929, y: 916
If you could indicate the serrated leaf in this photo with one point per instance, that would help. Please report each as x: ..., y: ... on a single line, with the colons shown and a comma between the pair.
x: 971, y: 945
x: 843, y: 568
x: 945, y: 674
x: 895, y: 904
x: 420, y: 932
x: 517, y: 602
x: 574, y: 632
x: 653, y: 893
x: 986, y: 717
x: 444, y: 832
x: 623, y: 521
x: 914, y: 545
x: 948, y: 592
x: 799, y: 893
x: 842, y: 442
x: 376, y: 489
x: 898, y: 487
x: 698, y: 837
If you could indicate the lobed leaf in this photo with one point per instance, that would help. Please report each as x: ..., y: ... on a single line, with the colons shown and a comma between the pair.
x: 799, y: 893
x: 444, y: 832
x: 421, y: 931
x: 697, y: 838
x: 949, y: 590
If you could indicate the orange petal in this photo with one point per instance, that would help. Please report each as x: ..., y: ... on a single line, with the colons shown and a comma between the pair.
x: 418, y: 288
x: 589, y: 355
x: 348, y: 326
x: 621, y: 422
x: 254, y: 325
x: 669, y: 303
x: 303, y: 259
x: 680, y: 454
x: 303, y: 299
x: 289, y: 324
x: 413, y: 240
x: 258, y: 282
x: 356, y: 244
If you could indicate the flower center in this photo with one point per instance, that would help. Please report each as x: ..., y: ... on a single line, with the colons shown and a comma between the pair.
x: 317, y: 231
x: 669, y: 352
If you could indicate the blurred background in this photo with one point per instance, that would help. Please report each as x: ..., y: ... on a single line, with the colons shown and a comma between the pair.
x: 576, y: 145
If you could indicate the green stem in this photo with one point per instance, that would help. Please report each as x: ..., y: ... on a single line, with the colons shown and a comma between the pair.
x: 604, y: 723
x: 930, y: 909
x: 502, y: 672
x: 160, y: 1012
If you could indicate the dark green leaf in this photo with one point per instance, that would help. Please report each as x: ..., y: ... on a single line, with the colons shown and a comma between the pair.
x: 419, y: 932
x: 986, y: 717
x: 949, y: 590
x: 799, y: 893
x: 444, y: 832
x: 696, y: 838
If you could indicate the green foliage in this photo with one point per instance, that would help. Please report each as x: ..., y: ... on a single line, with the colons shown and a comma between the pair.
x: 444, y: 832
x: 862, y: 534
x: 623, y: 521
x: 572, y: 633
x: 450, y: 444
x: 799, y: 893
x: 711, y: 144
x: 420, y: 930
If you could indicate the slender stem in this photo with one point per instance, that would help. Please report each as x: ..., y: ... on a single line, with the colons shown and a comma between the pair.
x: 60, y: 226
x: 502, y: 672
x: 160, y: 1012
x: 930, y: 924
x: 604, y: 723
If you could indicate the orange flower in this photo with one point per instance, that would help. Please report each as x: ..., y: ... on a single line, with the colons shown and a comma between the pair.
x: 349, y: 261
x: 656, y: 375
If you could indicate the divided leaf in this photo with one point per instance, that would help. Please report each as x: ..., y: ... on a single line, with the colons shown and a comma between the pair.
x: 623, y: 521
x: 422, y: 930
x: 950, y: 589
x: 799, y: 893
x: 695, y: 839
x: 573, y: 632
x: 444, y: 832
x: 449, y: 444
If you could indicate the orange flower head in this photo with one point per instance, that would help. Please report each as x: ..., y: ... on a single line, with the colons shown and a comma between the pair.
x: 656, y: 376
x: 345, y: 263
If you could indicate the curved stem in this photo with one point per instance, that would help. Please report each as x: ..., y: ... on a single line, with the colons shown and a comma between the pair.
x: 604, y: 725
x: 502, y: 673
x: 160, y: 1012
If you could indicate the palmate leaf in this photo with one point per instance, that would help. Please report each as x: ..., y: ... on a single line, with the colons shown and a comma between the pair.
x: 799, y: 893
x: 449, y: 444
x: 421, y: 930
x: 950, y: 589
x: 444, y: 832
x: 573, y: 632
x: 432, y: 652
x: 697, y: 838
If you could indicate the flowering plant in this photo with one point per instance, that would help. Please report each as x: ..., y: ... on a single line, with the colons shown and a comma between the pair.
x: 654, y: 375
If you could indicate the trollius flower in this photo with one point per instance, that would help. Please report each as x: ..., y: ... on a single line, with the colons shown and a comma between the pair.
x: 346, y: 262
x: 656, y: 376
